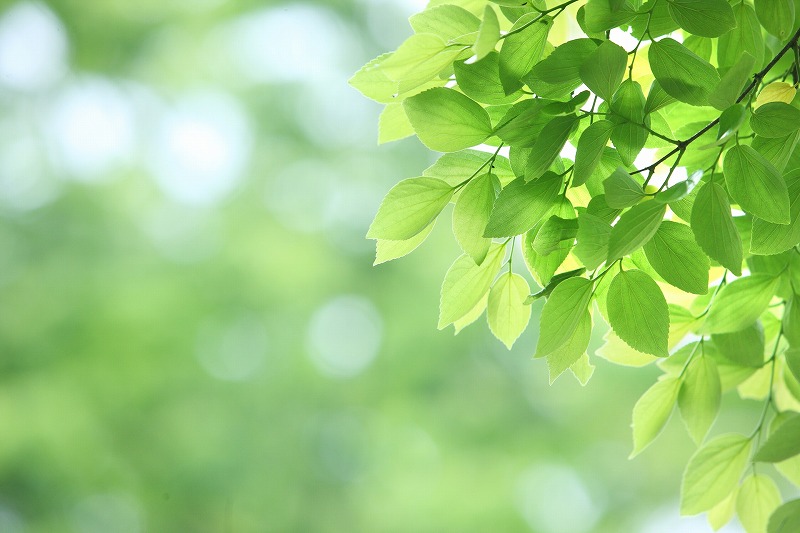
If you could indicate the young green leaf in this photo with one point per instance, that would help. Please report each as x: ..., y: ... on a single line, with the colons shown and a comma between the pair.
x: 744, y: 347
x: 756, y: 185
x: 593, y: 235
x: 508, y: 315
x: 657, y: 98
x: 680, y: 190
x: 446, y: 120
x: 466, y: 283
x: 570, y: 352
x: 638, y: 312
x: 769, y: 238
x: 393, y: 124
x: 730, y: 86
x: 629, y: 139
x: 786, y: 519
x: 390, y: 250
x: 621, y: 190
x: 549, y: 145
x: 409, y: 207
x: 544, y: 267
x: 471, y: 214
x: 729, y: 123
x: 782, y: 444
x: 522, y: 49
x: 603, y: 70
x: 681, y: 73
x: 757, y: 499
x: 447, y: 21
x: 481, y: 80
x: 418, y: 60
x: 708, y: 18
x: 590, y: 149
x: 634, y: 228
x: 739, y: 303
x: 562, y: 314
x: 723, y: 512
x: 775, y: 119
x: 652, y: 411
x: 677, y: 258
x: 713, y: 472
x: 699, y: 397
x: 563, y: 65
x: 553, y: 232
x: 488, y: 34
x: 582, y: 369
x: 714, y: 229
x: 521, y: 205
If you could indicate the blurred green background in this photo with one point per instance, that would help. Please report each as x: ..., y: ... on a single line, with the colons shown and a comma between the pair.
x: 193, y: 338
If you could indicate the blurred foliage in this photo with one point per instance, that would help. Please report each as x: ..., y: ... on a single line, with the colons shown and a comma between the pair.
x: 175, y: 362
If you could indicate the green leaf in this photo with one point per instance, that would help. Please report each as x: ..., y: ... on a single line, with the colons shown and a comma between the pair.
x: 603, y: 70
x: 786, y: 519
x: 634, y: 228
x: 507, y: 314
x: 553, y: 232
x: 569, y: 353
x: 409, y: 207
x: 549, y: 145
x: 638, y: 312
x: 677, y: 258
x: 729, y: 123
x: 390, y: 250
x: 418, y: 60
x: 593, y: 235
x: 756, y: 185
x: 791, y: 323
x: 488, y: 34
x: 680, y: 190
x: 681, y: 73
x: 699, y: 397
x: 582, y: 369
x: 629, y: 102
x: 446, y: 120
x: 745, y: 38
x: 713, y: 472
x: 769, y: 238
x: 775, y: 119
x: 447, y: 21
x: 739, y: 303
x: 713, y: 227
x: 522, y: 49
x: 393, y: 124
x: 481, y: 80
x: 562, y: 314
x: 521, y: 205
x: 657, y: 98
x: 708, y: 18
x: 652, y: 411
x: 782, y: 444
x: 473, y: 315
x: 723, y: 512
x: 590, y: 149
x: 757, y: 499
x: 563, y: 65
x: 601, y: 16
x: 730, y: 87
x: 554, y: 282
x: 471, y: 214
x: 744, y: 347
x: 776, y: 151
x: 466, y: 283
x: 621, y: 190
x: 777, y: 16
x: 629, y: 139
x: 456, y: 167
x: 544, y: 267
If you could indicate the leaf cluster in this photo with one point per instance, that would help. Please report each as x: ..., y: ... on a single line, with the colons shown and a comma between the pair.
x: 654, y: 187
